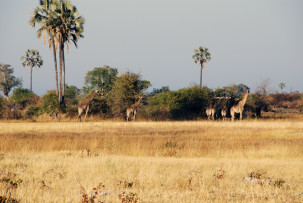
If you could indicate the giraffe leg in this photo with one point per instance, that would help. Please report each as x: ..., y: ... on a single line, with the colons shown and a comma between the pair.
x: 240, y: 115
x: 135, y: 112
x: 232, y: 114
x: 127, y: 114
x: 86, y: 112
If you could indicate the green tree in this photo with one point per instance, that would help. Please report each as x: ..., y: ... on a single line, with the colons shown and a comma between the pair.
x: 100, y: 77
x: 32, y: 59
x: 125, y: 91
x: 7, y: 80
x: 49, y: 102
x: 43, y: 15
x: 201, y: 56
x: 24, y: 97
x: 282, y: 85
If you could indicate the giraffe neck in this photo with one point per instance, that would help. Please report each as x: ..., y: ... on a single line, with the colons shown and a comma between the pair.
x: 137, y: 103
x: 89, y: 99
x: 243, y: 101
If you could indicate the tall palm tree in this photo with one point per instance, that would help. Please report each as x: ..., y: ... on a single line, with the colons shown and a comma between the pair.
x: 201, y: 56
x: 68, y: 28
x: 32, y: 59
x: 62, y: 22
x: 43, y: 15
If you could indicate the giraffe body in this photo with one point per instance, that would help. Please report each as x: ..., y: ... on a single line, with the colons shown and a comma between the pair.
x: 210, y: 112
x: 223, y: 113
x: 133, y: 109
x: 239, y: 108
x: 85, y: 104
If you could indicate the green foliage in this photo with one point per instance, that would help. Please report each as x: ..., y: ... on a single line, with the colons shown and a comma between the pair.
x: 32, y: 111
x: 257, y: 103
x: 49, y: 102
x: 24, y: 97
x: 100, y: 77
x: 7, y: 80
x: 71, y: 100
x: 32, y: 58
x: 201, y: 56
x: 187, y: 103
x: 282, y: 85
x: 157, y: 91
x: 126, y: 90
x: 233, y: 91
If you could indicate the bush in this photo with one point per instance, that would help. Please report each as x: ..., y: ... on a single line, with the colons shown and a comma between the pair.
x: 50, y: 103
x: 24, y: 97
x: 32, y: 111
x: 187, y: 103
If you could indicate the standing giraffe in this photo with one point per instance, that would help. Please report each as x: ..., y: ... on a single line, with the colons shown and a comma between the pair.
x: 133, y: 109
x: 210, y: 112
x: 239, y: 108
x: 223, y: 113
x: 85, y: 104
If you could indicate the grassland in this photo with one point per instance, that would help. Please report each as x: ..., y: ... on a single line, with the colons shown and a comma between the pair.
x: 152, y: 161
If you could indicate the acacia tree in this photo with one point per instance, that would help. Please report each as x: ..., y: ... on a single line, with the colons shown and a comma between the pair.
x: 43, y: 15
x: 100, y: 77
x: 201, y: 56
x: 126, y: 90
x: 32, y: 59
x: 7, y: 80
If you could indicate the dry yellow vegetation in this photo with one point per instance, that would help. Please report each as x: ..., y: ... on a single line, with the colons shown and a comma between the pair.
x: 190, y: 161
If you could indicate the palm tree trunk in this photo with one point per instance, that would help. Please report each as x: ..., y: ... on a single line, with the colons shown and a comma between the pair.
x: 63, y: 75
x: 60, y: 73
x: 31, y: 80
x: 201, y: 77
x: 56, y: 69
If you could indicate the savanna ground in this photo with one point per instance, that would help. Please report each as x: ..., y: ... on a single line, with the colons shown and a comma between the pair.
x: 190, y: 161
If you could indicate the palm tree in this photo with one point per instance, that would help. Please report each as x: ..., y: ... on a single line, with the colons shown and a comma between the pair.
x: 32, y: 59
x: 201, y: 56
x: 68, y: 28
x: 43, y: 15
x: 62, y: 22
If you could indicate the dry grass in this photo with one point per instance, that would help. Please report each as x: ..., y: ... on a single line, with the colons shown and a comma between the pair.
x: 152, y: 161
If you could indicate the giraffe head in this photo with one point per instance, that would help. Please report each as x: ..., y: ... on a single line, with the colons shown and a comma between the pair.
x: 99, y: 91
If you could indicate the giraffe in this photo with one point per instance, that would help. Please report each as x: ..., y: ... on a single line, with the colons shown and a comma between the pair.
x: 223, y: 113
x: 210, y: 112
x: 85, y: 104
x: 239, y: 108
x: 133, y: 109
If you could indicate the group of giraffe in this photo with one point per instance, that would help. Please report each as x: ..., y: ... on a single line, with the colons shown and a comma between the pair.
x: 238, y: 108
x: 132, y: 110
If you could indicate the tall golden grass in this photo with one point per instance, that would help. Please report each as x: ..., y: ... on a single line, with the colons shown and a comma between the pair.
x: 153, y: 161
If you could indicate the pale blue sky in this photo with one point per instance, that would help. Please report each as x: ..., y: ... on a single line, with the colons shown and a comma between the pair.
x: 248, y: 40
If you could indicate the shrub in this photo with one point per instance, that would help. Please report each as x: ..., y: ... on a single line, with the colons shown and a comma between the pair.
x: 24, y: 97
x: 49, y: 102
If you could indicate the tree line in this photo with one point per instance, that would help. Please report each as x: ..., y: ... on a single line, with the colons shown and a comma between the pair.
x: 122, y: 90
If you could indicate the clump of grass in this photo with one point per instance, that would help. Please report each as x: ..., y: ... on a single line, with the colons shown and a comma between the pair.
x: 128, y: 197
x: 219, y: 174
x: 258, y: 175
x: 95, y: 195
x: 9, y: 184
